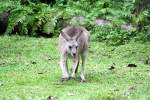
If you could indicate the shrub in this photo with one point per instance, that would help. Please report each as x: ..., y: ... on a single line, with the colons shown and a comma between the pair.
x: 31, y: 17
x: 31, y: 20
x: 111, y: 35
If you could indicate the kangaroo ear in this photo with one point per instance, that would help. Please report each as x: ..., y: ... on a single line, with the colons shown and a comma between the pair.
x: 78, y: 35
x: 66, y: 37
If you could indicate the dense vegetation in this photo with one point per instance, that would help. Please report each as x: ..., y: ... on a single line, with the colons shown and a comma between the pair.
x: 125, y: 19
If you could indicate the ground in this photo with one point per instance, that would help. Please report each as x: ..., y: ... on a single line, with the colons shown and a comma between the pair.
x: 29, y: 70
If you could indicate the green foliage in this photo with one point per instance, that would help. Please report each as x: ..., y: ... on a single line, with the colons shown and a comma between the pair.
x: 31, y: 17
x: 144, y: 34
x: 111, y: 35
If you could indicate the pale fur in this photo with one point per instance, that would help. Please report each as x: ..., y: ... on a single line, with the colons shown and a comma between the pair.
x: 73, y: 36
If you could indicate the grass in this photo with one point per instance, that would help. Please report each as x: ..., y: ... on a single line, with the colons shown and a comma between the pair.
x: 29, y: 70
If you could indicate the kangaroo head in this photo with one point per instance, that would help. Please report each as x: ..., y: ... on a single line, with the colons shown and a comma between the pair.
x: 72, y: 44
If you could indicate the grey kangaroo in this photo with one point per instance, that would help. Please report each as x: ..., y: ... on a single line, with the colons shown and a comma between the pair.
x: 73, y: 41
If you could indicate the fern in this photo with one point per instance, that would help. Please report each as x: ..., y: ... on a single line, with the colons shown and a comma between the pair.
x: 34, y: 18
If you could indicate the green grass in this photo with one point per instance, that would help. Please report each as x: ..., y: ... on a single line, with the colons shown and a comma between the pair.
x: 29, y: 70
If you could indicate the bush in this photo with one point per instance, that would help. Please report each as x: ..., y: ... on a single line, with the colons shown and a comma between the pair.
x: 31, y: 17
x: 143, y: 35
x: 31, y: 20
x: 111, y: 35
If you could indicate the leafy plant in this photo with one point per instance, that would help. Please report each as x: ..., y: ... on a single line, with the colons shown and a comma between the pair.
x: 111, y: 35
x: 31, y: 17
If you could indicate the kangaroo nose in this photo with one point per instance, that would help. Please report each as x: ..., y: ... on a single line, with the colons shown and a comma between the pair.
x: 74, y: 54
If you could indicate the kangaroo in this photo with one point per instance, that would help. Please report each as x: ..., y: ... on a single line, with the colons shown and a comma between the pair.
x: 73, y: 41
